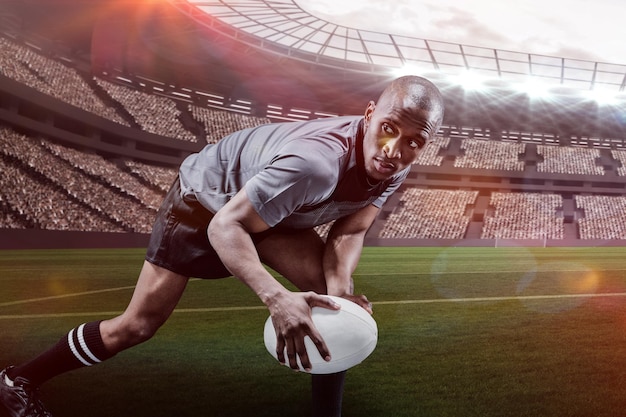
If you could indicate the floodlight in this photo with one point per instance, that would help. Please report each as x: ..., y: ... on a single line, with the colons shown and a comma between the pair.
x: 406, y: 70
x: 534, y: 88
x: 470, y: 81
x: 603, y: 97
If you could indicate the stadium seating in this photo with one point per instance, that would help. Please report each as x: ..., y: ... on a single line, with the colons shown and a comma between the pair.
x: 98, y: 167
x: 429, y: 214
x: 430, y: 154
x: 155, y: 114
x: 120, y: 208
x: 219, y: 123
x: 620, y: 155
x: 486, y: 154
x: 81, y: 190
x: 30, y: 202
x: 569, y: 160
x: 8, y: 219
x: 605, y: 217
x: 524, y: 216
x: 159, y: 177
x: 53, y: 78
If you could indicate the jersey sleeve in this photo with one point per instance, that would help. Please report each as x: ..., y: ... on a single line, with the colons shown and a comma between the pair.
x: 294, y: 178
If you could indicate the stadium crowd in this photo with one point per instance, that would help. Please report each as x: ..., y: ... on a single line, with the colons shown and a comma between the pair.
x: 84, y: 191
x: 38, y: 204
x: 52, y: 78
x: 218, y: 123
x: 486, y: 154
x: 155, y: 114
x: 156, y: 176
x: 524, y: 216
x: 160, y: 115
x: 429, y: 214
x: 569, y: 160
x: 50, y: 186
x: 620, y: 156
x: 8, y: 219
x: 605, y: 216
x: 98, y: 167
x: 121, y: 208
x: 429, y: 155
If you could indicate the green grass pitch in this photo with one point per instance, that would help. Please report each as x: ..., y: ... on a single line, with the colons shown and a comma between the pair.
x: 462, y: 332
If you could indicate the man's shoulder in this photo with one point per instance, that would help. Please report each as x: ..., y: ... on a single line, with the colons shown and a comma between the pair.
x: 337, y: 133
x: 342, y: 125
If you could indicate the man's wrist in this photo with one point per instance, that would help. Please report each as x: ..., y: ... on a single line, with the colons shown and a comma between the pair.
x: 268, y: 297
x: 339, y: 288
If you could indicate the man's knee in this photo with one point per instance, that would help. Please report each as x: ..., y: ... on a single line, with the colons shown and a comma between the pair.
x: 122, y: 333
x: 140, y: 331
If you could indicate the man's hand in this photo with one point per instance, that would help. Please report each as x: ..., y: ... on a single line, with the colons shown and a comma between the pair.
x: 360, y: 300
x: 291, y: 316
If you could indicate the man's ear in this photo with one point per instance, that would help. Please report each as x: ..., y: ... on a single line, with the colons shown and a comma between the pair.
x: 369, y: 110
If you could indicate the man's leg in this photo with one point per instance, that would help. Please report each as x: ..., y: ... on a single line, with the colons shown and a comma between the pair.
x: 155, y: 297
x: 157, y: 293
x: 327, y: 394
x: 298, y: 257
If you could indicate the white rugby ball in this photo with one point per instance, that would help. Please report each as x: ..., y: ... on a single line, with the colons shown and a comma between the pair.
x: 350, y: 333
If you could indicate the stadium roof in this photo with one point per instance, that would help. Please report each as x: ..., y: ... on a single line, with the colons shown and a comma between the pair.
x: 283, y: 26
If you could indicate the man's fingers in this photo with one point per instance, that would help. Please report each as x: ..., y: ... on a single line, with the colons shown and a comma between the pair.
x: 291, y: 334
x: 280, y: 348
x: 293, y: 349
x: 291, y: 355
x: 316, y: 300
x: 303, y: 355
x: 321, y: 346
x: 361, y: 300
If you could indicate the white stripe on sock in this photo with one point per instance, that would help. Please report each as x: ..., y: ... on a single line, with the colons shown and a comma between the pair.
x: 77, y: 355
x: 81, y: 340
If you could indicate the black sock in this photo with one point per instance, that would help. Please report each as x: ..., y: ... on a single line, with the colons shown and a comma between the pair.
x: 82, y: 346
x: 327, y: 395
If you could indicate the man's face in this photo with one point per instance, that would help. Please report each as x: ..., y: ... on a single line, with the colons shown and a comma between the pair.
x: 395, y: 131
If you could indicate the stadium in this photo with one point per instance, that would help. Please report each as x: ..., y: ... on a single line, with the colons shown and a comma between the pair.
x: 559, y: 161
x: 522, y: 193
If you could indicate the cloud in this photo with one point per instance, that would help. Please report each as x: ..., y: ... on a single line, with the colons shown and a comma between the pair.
x: 573, y: 29
x: 460, y: 26
x: 352, y: 13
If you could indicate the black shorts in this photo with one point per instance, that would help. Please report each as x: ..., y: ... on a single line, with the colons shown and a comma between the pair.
x: 179, y: 239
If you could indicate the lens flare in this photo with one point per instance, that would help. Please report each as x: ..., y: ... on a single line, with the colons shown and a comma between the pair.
x: 558, y: 286
x: 452, y: 276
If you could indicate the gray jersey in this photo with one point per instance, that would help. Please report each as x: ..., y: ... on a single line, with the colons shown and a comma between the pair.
x: 299, y: 174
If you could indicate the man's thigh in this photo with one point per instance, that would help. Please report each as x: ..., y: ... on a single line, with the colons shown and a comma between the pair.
x: 296, y: 255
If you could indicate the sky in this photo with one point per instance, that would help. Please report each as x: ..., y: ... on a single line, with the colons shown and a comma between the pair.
x: 577, y: 29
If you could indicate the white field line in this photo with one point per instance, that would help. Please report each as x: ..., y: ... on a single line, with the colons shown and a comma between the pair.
x: 75, y: 294
x: 503, y: 298
x: 57, y: 297
x: 248, y: 308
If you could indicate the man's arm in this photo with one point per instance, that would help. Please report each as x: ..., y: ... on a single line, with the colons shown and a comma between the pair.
x: 343, y: 251
x: 229, y: 234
